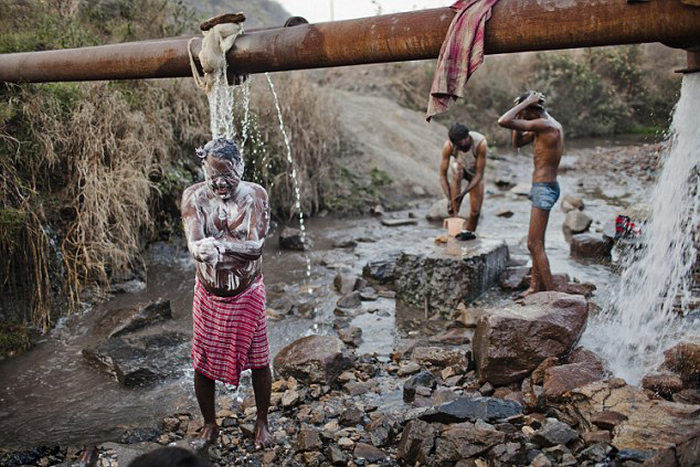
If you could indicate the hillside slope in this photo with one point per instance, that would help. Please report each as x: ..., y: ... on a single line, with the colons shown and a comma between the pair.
x: 260, y: 13
x: 394, y: 139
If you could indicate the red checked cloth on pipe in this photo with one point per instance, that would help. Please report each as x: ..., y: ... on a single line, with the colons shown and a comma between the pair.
x: 229, y: 333
x: 461, y: 54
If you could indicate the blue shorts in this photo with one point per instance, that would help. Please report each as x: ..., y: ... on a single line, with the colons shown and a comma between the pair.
x: 544, y: 195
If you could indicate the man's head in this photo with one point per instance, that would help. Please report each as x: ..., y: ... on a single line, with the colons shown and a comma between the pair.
x: 532, y: 111
x: 459, y: 137
x: 223, y: 166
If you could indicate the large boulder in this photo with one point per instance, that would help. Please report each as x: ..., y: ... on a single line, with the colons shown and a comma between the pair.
x: 417, y: 441
x: 464, y: 440
x: 314, y: 359
x: 381, y: 270
x: 643, y: 424
x: 442, y: 277
x: 141, y: 360
x: 559, y: 380
x: 510, y: 343
x: 471, y: 409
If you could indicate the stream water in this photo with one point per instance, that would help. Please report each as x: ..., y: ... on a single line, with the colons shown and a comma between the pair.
x: 50, y: 396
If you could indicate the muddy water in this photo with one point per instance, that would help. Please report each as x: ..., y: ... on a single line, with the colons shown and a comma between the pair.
x: 50, y: 396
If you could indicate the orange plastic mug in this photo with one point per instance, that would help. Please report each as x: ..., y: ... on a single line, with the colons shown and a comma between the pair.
x: 454, y: 225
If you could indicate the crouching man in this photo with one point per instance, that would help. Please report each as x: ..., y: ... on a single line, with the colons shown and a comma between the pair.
x: 225, y: 221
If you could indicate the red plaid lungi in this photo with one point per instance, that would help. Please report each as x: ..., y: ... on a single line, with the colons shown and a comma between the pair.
x: 229, y: 333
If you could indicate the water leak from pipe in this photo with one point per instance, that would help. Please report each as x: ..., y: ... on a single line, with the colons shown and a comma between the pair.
x: 645, y: 316
x: 295, y: 180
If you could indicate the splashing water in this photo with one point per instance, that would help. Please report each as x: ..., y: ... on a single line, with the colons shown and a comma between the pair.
x: 295, y: 180
x: 643, y: 318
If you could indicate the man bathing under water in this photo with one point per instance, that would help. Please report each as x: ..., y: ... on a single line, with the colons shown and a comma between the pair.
x: 465, y: 152
x: 225, y: 222
x: 530, y: 122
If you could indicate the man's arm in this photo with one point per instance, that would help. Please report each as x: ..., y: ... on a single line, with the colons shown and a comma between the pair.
x: 481, y: 151
x: 511, y: 119
x: 201, y: 247
x: 447, y: 150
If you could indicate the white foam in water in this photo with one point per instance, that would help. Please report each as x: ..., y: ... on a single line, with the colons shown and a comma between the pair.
x: 295, y: 180
x: 643, y: 319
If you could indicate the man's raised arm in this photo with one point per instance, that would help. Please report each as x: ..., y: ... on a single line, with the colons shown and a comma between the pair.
x: 444, y: 167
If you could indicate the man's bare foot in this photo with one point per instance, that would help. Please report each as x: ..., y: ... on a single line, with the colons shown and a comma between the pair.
x: 527, y: 293
x: 263, y: 438
x: 209, y: 432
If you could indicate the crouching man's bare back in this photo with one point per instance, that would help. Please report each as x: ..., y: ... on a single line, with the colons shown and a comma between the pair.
x: 225, y: 221
x: 530, y: 123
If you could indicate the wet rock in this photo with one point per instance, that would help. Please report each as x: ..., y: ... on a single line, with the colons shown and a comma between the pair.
x: 408, y: 369
x: 576, y: 222
x: 336, y: 456
x: 382, y: 270
x: 571, y: 203
x: 591, y: 246
x: 507, y: 454
x: 345, y: 283
x: 368, y: 452
x: 688, y: 396
x: 464, y: 440
x: 466, y: 408
x: 141, y: 360
x: 597, y: 436
x: 665, y: 385
x: 351, y: 300
x: 596, y: 452
x: 351, y: 417
x: 554, y: 433
x: 127, y: 320
x: 314, y: 359
x: 130, y: 286
x: 487, y: 389
x: 381, y: 430
x: 423, y: 379
x: 368, y: 294
x: 684, y: 359
x: 438, y: 356
x: 590, y: 358
x: 308, y: 439
x: 541, y: 460
x: 399, y: 222
x: 417, y: 441
x: 440, y: 278
x: 608, y: 419
x: 516, y: 278
x: 559, y: 380
x: 503, y: 184
x: 537, y: 376
x: 127, y: 453
x: 505, y: 213
x: 351, y: 336
x: 508, y: 344
x: 650, y: 425
x: 293, y: 239
x: 455, y: 336
x: 685, y: 453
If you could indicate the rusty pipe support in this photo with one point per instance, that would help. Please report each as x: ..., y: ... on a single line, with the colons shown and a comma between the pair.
x: 516, y: 26
x: 693, y: 61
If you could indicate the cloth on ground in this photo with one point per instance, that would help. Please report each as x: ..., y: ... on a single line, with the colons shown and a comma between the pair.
x: 229, y: 333
x: 216, y: 43
x: 461, y: 54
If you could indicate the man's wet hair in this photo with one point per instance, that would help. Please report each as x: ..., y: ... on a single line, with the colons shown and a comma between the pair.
x: 458, y: 132
x: 170, y: 456
x: 523, y: 96
x: 221, y: 148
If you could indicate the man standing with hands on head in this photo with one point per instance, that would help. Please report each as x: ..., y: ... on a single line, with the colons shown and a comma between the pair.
x: 530, y: 122
x: 225, y: 221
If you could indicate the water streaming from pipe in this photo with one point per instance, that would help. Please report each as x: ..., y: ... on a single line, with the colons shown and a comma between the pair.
x: 290, y: 161
x: 221, y: 102
x: 655, y: 287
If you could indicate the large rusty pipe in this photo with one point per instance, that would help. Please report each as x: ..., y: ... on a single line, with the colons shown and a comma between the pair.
x: 516, y: 26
